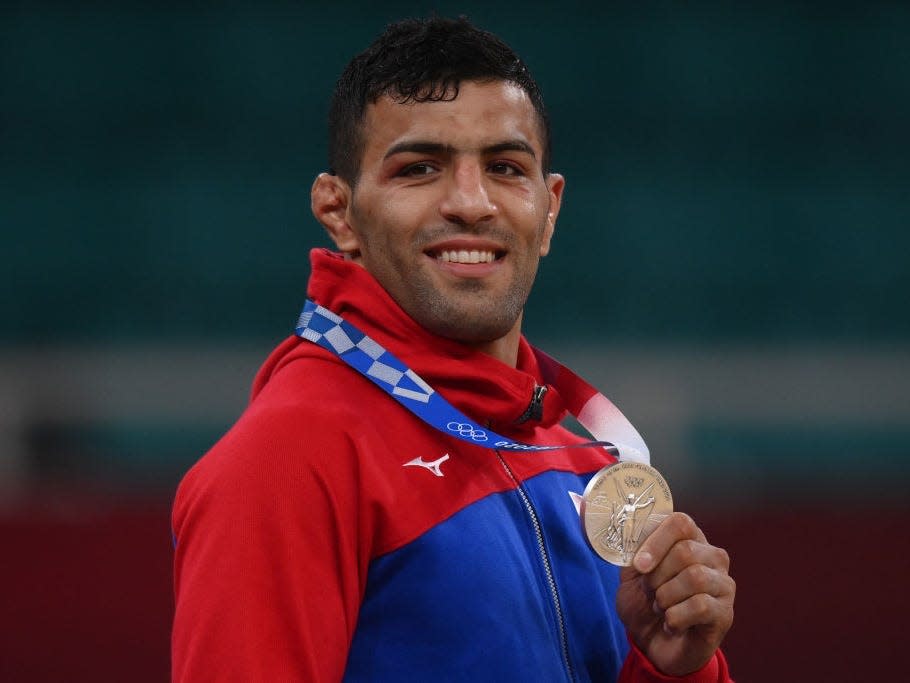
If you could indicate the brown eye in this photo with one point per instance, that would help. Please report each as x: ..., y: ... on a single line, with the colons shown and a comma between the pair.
x: 417, y: 170
x: 504, y: 168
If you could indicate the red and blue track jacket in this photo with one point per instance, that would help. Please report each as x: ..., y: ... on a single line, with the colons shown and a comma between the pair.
x: 331, y: 535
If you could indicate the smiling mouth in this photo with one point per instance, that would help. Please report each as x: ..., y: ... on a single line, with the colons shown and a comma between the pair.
x: 467, y: 255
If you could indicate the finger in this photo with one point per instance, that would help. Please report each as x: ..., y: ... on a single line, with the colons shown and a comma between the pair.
x: 684, y: 554
x: 634, y: 603
x: 628, y: 574
x: 676, y: 527
x: 700, y: 610
x: 693, y: 580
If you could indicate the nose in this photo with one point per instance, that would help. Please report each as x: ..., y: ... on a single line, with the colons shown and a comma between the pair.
x: 467, y: 201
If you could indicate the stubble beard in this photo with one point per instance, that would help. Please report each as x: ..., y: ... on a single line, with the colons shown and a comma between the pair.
x: 469, y: 311
x: 471, y: 315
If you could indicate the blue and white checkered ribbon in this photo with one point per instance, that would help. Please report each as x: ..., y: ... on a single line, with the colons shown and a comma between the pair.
x: 323, y: 327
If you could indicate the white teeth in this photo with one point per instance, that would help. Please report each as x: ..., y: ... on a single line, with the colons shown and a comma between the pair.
x: 465, y: 256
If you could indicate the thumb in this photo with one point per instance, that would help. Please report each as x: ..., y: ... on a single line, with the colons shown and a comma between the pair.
x: 627, y: 574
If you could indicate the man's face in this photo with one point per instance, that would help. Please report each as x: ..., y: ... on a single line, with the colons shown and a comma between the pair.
x: 451, y: 211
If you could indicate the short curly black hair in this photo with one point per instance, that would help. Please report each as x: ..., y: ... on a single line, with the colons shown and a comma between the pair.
x: 421, y: 60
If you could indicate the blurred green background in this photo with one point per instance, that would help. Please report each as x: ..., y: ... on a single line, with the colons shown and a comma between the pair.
x: 730, y: 265
x: 734, y: 173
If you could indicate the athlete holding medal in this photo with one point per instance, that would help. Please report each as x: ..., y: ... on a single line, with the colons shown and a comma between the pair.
x: 399, y: 501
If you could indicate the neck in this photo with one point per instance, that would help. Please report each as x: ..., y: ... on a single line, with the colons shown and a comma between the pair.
x: 505, y: 348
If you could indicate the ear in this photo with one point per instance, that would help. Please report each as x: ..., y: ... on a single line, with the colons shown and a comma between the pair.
x: 555, y: 185
x: 330, y: 199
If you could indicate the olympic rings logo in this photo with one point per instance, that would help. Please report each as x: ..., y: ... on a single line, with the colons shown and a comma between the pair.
x: 467, y: 431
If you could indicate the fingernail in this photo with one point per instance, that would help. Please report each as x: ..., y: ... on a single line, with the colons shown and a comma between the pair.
x: 643, y: 561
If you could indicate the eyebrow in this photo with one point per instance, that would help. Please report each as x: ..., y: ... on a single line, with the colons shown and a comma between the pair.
x: 511, y: 146
x: 426, y: 147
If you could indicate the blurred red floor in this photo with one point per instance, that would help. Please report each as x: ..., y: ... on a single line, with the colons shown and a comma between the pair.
x: 821, y: 594
x: 86, y: 593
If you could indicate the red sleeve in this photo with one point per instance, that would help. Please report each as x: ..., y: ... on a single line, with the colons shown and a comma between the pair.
x: 638, y: 669
x: 270, y: 562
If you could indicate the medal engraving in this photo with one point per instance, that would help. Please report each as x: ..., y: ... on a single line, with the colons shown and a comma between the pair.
x: 621, y: 506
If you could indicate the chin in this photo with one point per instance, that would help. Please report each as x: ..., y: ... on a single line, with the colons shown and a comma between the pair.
x: 471, y: 329
x: 472, y: 314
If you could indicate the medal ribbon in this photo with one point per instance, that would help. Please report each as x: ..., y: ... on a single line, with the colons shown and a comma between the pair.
x: 594, y: 411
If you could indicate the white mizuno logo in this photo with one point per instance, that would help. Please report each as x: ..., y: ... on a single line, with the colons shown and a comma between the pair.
x: 433, y: 467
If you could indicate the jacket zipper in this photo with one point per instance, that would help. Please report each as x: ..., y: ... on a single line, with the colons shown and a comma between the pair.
x: 548, y: 568
x: 534, y: 411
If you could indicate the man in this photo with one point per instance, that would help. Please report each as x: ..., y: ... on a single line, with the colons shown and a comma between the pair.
x: 332, y: 533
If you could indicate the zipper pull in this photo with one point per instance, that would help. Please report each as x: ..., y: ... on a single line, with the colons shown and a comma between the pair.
x: 534, y: 411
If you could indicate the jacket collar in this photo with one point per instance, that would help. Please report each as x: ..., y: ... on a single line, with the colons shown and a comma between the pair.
x: 479, y: 385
